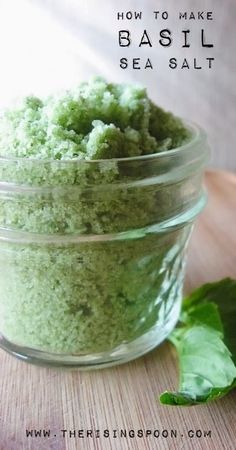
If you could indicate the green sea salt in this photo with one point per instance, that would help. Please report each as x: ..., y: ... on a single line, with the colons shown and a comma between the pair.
x: 61, y: 179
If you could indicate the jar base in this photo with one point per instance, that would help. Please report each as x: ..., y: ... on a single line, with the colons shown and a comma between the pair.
x: 120, y: 355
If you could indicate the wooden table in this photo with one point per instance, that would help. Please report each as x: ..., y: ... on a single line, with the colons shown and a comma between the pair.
x: 126, y: 397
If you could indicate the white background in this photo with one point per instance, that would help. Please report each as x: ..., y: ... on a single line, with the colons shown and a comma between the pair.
x: 46, y: 45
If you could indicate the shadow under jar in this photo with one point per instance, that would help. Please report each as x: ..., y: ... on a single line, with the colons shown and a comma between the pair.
x: 92, y: 253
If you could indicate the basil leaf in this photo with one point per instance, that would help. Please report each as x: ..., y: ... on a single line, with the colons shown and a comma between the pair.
x: 206, y: 345
x: 223, y: 294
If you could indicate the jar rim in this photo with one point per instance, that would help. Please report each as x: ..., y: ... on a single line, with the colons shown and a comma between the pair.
x: 197, y: 135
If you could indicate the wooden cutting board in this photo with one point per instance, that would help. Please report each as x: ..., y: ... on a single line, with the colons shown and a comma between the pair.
x: 126, y: 397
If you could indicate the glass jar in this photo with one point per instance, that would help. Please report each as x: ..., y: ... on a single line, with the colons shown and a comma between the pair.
x: 92, y: 253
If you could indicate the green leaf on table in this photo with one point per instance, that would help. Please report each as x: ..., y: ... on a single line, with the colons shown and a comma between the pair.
x: 223, y: 295
x: 205, y: 341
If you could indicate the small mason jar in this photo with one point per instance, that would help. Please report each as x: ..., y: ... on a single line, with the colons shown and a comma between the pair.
x: 92, y: 253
